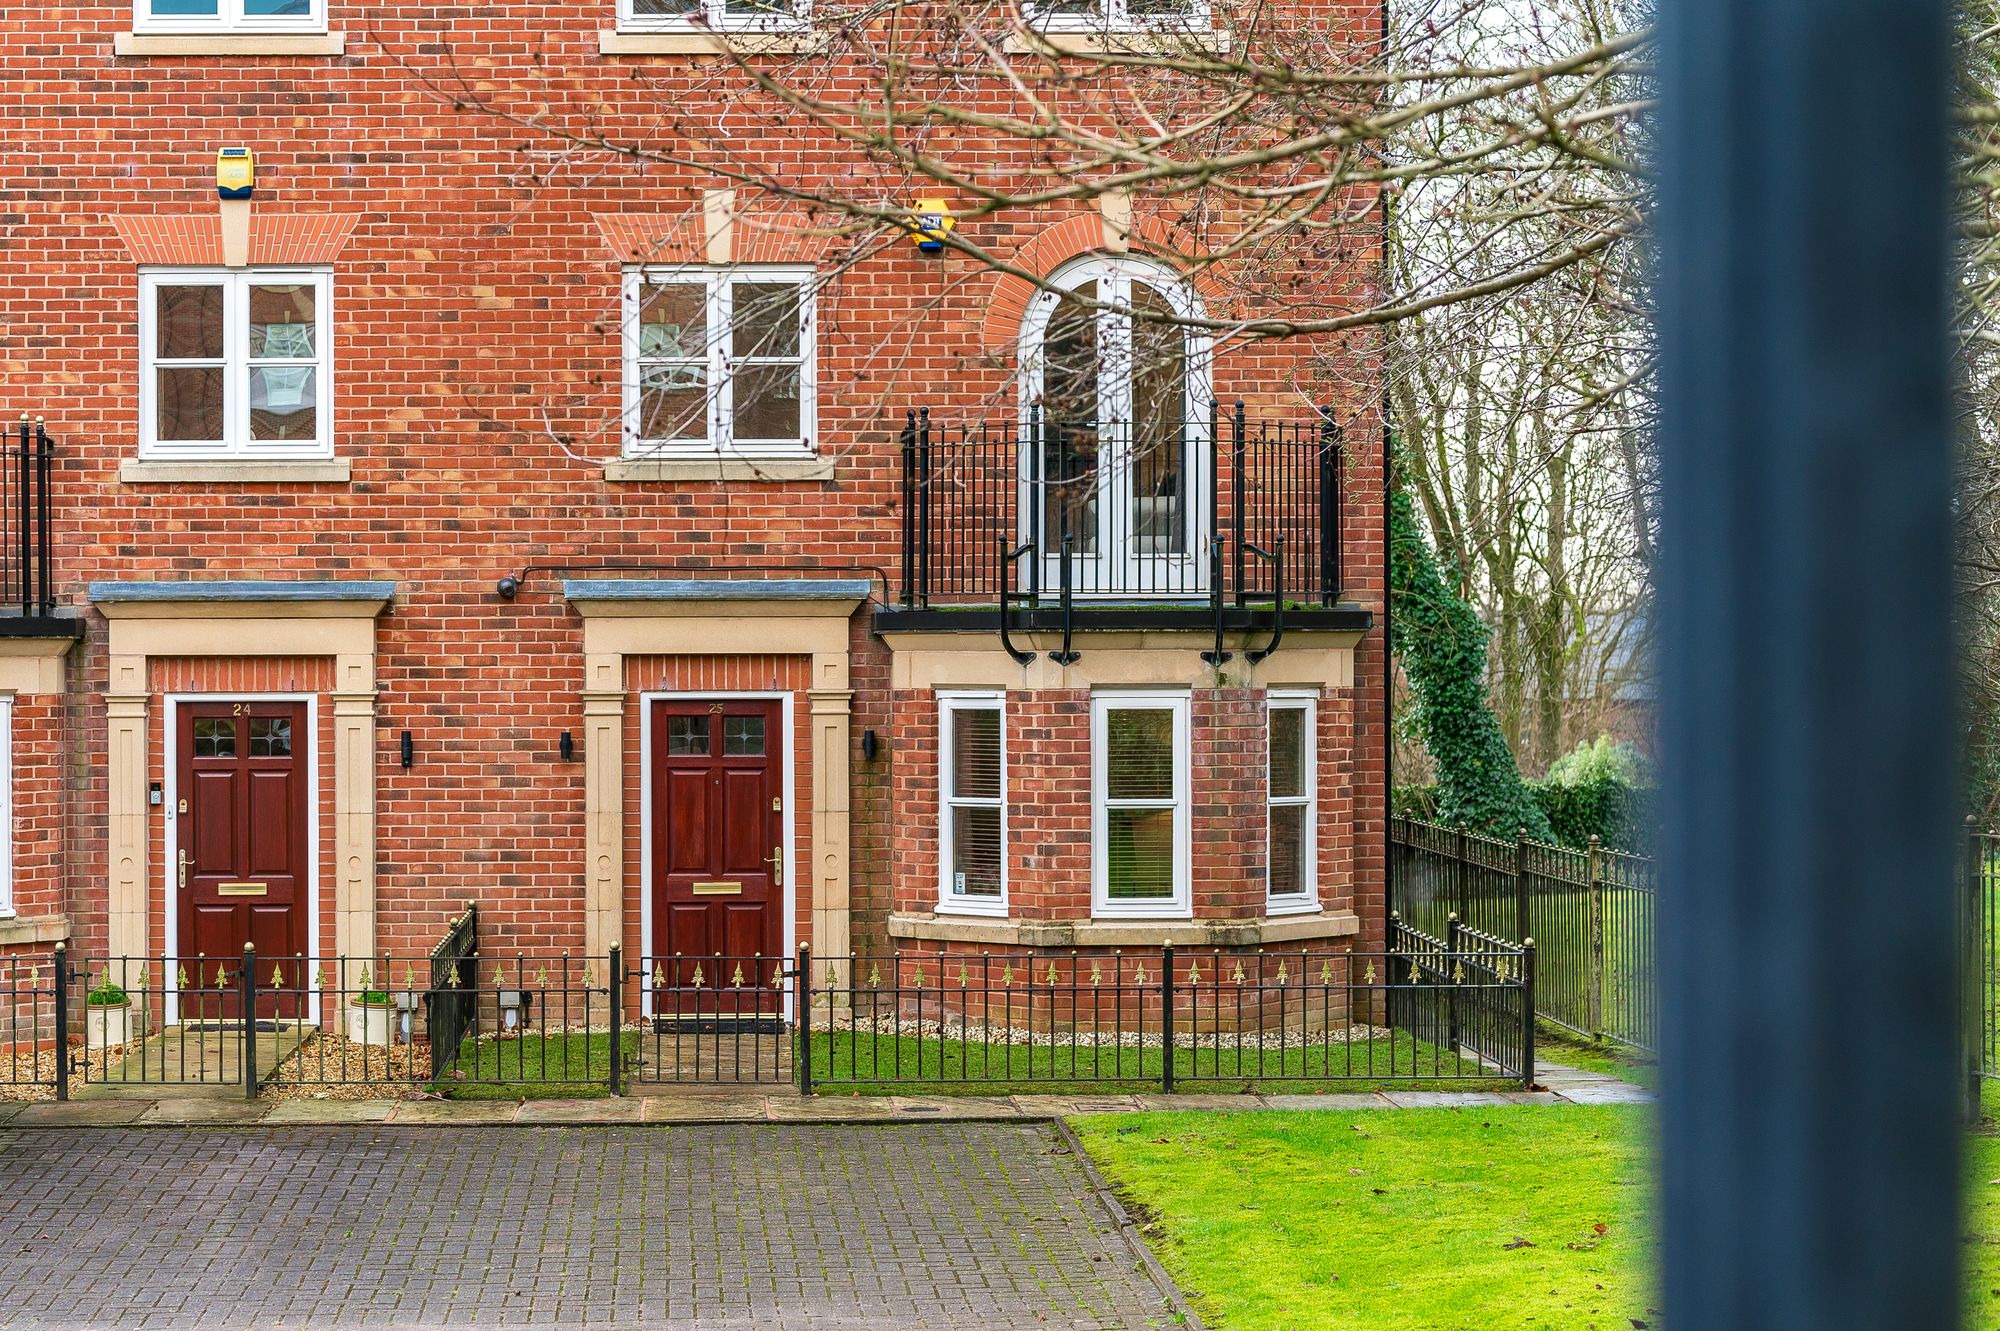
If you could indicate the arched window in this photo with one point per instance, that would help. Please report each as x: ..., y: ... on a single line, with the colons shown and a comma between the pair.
x: 1115, y: 422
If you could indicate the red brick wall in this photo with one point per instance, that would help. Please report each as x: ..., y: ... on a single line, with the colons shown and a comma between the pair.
x: 476, y: 358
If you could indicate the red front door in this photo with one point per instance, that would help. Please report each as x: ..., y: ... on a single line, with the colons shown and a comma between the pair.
x: 242, y: 856
x: 718, y: 854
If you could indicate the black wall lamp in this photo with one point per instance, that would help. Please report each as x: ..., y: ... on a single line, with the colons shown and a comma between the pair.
x: 870, y: 745
x: 409, y: 751
x: 566, y: 746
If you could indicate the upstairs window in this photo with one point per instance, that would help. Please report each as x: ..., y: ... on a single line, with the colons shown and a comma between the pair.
x: 972, y: 777
x: 229, y: 16
x: 718, y: 361
x: 235, y: 363
x: 1291, y: 803
x: 1139, y: 747
x: 1119, y: 15
x: 719, y: 15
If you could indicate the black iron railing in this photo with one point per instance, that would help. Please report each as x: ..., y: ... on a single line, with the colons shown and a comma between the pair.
x: 27, y: 574
x: 1041, y: 511
x: 1455, y: 1007
x: 451, y: 1005
x: 1590, y: 912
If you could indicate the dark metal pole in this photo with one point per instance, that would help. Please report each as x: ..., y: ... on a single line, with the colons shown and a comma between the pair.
x: 61, y: 970
x: 616, y: 969
x: 909, y: 450
x: 247, y: 987
x: 1809, y: 794
x: 24, y: 518
x: 1167, y: 1018
x: 802, y: 998
x: 1329, y: 507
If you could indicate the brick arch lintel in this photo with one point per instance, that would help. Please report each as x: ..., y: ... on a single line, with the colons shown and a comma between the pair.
x: 1055, y: 245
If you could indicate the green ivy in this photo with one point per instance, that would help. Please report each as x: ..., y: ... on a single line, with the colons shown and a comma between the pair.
x: 1442, y: 645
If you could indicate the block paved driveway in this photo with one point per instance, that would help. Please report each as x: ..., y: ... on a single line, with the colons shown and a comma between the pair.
x: 984, y: 1225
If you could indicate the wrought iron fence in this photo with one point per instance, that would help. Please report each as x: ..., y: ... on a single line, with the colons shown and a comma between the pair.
x: 1446, y: 1009
x: 1451, y: 1008
x: 1029, y: 511
x: 27, y: 576
x: 1589, y: 911
x: 1981, y: 964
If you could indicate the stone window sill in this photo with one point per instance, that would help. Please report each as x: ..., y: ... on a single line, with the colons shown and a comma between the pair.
x: 1140, y: 41
x: 642, y: 470
x: 222, y: 471
x: 231, y: 44
x: 1124, y: 933
x: 709, y: 43
x: 24, y: 930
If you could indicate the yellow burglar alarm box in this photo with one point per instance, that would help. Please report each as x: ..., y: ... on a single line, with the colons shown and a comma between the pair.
x: 235, y: 173
x: 930, y: 223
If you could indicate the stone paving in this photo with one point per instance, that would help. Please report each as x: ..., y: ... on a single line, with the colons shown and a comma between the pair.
x: 152, y: 1105
x: 813, y: 1226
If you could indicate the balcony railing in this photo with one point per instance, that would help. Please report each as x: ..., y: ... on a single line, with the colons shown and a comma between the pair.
x: 27, y: 574
x: 1037, y: 511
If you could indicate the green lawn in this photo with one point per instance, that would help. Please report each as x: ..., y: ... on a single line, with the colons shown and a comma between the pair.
x: 1502, y: 1219
x: 853, y: 1061
x: 535, y: 1067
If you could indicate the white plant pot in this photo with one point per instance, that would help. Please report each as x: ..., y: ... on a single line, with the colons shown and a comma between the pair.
x: 368, y: 1023
x: 109, y: 1026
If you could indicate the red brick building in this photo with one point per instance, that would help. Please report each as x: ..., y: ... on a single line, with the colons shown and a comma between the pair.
x: 432, y: 525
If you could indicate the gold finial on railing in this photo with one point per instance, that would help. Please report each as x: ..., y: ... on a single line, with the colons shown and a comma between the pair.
x: 1051, y: 979
x: 1007, y: 975
x: 1236, y: 976
x: 319, y: 975
x: 696, y: 978
x: 221, y: 976
x: 918, y: 977
x: 659, y: 976
x: 181, y: 977
x: 1096, y: 975
x: 542, y: 976
x: 1458, y: 972
x: 1367, y: 976
x: 964, y: 975
x: 1416, y: 973
x: 1284, y: 973
x: 736, y: 979
x: 1194, y: 971
x: 874, y: 975
x: 277, y: 976
x: 1139, y: 974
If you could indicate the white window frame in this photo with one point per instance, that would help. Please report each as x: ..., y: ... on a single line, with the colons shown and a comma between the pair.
x: 1307, y: 899
x: 229, y: 17
x: 1181, y: 904
x: 951, y: 902
x: 714, y: 16
x: 1117, y: 16
x: 6, y: 806
x: 720, y: 282
x: 236, y: 443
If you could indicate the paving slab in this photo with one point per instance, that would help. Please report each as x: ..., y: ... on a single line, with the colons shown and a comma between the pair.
x: 772, y: 1226
x: 1066, y: 1105
x: 831, y: 1108
x: 205, y: 1109
x: 9, y: 1108
x: 1214, y: 1103
x: 1341, y: 1100
x: 1618, y: 1093
x: 455, y: 1111
x: 606, y: 1109
x: 1531, y: 1097
x: 734, y: 1107
x: 953, y: 1106
x: 1444, y: 1099
x: 81, y: 1113
x: 330, y: 1111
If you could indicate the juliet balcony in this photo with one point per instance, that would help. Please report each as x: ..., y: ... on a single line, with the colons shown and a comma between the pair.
x: 1046, y: 523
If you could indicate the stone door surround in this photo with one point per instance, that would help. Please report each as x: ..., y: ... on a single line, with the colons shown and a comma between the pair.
x: 701, y: 617
x: 239, y: 619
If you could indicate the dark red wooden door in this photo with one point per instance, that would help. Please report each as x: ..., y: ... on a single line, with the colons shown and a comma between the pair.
x: 718, y: 854
x: 243, y: 857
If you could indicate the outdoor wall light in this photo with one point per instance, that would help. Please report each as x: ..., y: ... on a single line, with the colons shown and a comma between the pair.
x: 509, y: 588
x: 870, y: 745
x: 566, y: 746
x: 409, y: 751
x: 514, y: 1005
